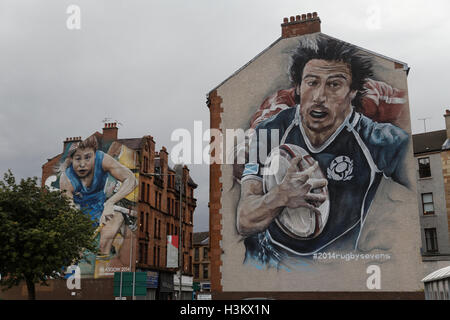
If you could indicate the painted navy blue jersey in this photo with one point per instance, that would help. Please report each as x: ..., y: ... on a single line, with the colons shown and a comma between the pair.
x: 354, y: 159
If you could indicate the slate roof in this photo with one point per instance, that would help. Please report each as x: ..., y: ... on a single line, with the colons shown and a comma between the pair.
x: 429, y: 141
x: 201, y: 237
x: 133, y: 143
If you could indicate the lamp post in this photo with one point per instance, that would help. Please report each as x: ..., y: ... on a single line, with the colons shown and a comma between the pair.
x: 180, y: 267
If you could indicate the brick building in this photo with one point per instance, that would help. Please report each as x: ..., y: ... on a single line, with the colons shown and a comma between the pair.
x: 157, y: 209
x: 431, y: 151
x: 245, y: 262
x: 201, y: 262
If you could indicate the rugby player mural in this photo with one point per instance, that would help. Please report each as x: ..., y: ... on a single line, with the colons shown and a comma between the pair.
x: 101, y: 183
x: 338, y: 137
x: 322, y: 188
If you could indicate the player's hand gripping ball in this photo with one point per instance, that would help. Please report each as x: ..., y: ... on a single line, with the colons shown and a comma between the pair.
x: 301, y: 223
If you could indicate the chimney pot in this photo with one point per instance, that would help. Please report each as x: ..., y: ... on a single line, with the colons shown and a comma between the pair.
x: 110, y: 132
x: 285, y: 20
x: 306, y: 23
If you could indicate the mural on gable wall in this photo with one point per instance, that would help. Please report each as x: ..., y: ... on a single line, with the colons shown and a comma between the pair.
x: 103, y: 184
x: 317, y: 154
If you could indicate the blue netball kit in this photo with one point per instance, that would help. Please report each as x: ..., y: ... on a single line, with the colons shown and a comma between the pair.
x: 90, y: 199
x: 354, y: 160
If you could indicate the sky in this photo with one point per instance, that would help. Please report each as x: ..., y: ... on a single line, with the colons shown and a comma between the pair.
x: 149, y: 65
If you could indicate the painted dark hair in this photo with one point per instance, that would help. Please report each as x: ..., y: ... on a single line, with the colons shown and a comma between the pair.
x: 90, y: 142
x: 328, y: 49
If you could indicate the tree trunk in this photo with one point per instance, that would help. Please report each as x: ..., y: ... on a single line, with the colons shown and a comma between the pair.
x: 31, y: 289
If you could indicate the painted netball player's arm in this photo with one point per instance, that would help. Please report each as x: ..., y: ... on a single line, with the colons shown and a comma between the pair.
x: 66, y: 187
x: 256, y: 209
x: 122, y: 174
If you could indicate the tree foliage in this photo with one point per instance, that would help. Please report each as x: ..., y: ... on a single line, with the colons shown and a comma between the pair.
x: 40, y: 233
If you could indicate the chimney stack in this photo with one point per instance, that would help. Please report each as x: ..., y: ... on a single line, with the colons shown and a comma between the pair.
x: 70, y: 140
x: 446, y: 145
x: 110, y: 132
x: 300, y: 25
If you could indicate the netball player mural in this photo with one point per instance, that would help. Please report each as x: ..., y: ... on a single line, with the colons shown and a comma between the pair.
x: 329, y: 159
x: 101, y: 184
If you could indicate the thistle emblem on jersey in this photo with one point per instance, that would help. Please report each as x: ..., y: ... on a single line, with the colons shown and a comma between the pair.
x: 340, y: 169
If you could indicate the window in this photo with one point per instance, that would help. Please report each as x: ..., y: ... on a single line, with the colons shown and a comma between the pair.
x: 156, y: 199
x: 155, y: 231
x: 146, y: 222
x: 159, y: 254
x: 205, y: 253
x: 424, y: 167
x: 148, y: 193
x: 145, y: 253
x: 168, y: 206
x: 142, y: 191
x: 159, y: 201
x: 205, y: 271
x: 159, y: 229
x: 154, y: 255
x: 431, y: 240
x: 427, y: 203
x: 196, y: 271
x: 196, y: 255
x: 142, y: 222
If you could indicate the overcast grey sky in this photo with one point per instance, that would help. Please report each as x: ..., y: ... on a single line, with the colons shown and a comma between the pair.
x: 149, y: 64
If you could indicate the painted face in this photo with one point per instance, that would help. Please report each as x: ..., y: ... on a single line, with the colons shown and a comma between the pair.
x: 325, y: 94
x: 83, y: 162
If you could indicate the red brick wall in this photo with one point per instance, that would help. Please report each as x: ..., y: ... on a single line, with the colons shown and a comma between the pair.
x: 161, y: 213
x: 48, y: 169
x: 215, y: 192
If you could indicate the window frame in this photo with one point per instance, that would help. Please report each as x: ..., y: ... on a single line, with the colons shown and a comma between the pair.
x: 432, y: 245
x: 427, y: 170
x: 427, y: 213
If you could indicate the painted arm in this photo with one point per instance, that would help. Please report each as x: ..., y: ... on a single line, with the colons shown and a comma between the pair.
x: 122, y: 174
x: 66, y: 187
x: 256, y: 209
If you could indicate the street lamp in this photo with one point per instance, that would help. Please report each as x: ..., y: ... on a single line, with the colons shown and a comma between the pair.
x: 180, y: 176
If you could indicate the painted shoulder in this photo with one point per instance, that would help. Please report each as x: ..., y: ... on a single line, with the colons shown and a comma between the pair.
x: 380, y: 134
x: 281, y: 120
x: 387, y: 143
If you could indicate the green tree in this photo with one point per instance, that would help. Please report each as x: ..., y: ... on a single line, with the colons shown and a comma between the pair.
x: 40, y: 233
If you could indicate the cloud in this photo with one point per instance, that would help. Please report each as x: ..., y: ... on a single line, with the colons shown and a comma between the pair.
x: 149, y: 64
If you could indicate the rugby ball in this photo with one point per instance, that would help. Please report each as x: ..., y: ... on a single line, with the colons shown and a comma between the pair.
x: 301, y: 223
